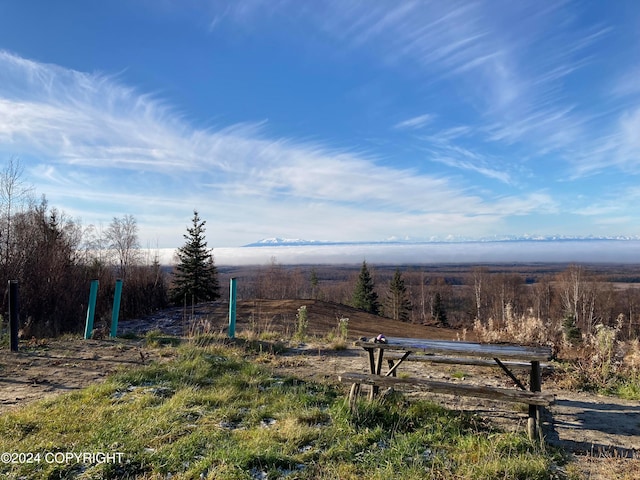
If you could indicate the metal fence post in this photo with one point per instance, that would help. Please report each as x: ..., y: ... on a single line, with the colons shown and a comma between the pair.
x: 91, y: 309
x: 116, y: 309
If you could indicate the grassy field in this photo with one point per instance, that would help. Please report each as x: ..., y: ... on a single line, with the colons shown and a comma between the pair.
x: 215, y: 411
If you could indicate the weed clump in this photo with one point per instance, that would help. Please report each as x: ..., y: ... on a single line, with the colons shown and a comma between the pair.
x: 302, y: 324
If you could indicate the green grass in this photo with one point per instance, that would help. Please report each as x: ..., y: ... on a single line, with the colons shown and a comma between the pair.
x: 155, y: 338
x: 212, y: 412
x: 459, y: 375
x: 629, y: 389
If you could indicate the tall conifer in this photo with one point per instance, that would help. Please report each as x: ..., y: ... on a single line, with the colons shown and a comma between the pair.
x: 364, y: 296
x: 398, y: 302
x: 195, y: 277
x: 439, y: 313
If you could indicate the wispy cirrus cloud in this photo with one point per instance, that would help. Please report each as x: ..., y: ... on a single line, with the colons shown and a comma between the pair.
x: 627, y: 83
x: 617, y: 146
x: 92, y: 139
x: 88, y: 119
x: 447, y: 147
x: 416, y: 122
x: 518, y: 82
x: 472, y: 164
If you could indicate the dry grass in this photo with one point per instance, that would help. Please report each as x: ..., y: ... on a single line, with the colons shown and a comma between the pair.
x: 597, y: 468
x: 603, y: 362
x: 526, y: 329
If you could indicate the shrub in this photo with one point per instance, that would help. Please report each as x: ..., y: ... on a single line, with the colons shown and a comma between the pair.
x: 607, y: 364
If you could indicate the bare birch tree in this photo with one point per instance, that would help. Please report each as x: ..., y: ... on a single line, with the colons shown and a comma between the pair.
x: 122, y: 236
x: 14, y: 194
x: 480, y: 276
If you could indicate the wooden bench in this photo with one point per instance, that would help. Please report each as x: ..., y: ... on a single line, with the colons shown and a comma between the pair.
x: 480, y: 362
x: 505, y: 356
x: 434, y: 386
x: 505, y: 365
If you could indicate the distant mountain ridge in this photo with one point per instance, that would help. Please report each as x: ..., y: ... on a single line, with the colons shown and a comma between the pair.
x: 296, y: 242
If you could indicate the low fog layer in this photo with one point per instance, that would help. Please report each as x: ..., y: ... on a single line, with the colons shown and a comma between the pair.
x: 583, y: 251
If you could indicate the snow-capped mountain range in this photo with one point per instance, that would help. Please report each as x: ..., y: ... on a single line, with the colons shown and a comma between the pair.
x: 294, y: 242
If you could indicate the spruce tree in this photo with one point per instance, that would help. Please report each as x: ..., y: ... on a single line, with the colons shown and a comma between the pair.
x: 313, y: 279
x: 438, y: 312
x: 364, y: 296
x: 398, y: 303
x: 195, y: 277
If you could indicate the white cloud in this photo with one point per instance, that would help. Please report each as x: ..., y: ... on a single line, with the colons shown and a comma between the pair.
x: 513, y: 61
x: 630, y: 137
x: 104, y: 146
x: 416, y: 122
x: 473, y: 166
x: 627, y: 84
x: 617, y: 146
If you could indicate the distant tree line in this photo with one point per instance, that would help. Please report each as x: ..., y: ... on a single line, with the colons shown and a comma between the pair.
x: 570, y: 296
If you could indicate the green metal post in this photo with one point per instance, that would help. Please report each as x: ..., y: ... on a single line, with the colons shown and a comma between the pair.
x: 232, y: 308
x: 91, y: 309
x: 116, y: 309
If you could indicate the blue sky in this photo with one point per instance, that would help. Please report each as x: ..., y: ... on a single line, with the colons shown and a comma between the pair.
x: 329, y: 120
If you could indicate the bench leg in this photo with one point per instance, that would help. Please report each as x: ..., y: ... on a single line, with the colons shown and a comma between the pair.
x: 353, y: 396
x: 373, y: 392
x: 373, y: 368
x: 534, y: 422
x: 378, y: 369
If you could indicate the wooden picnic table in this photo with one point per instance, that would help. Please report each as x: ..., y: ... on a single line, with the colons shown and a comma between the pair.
x: 505, y: 356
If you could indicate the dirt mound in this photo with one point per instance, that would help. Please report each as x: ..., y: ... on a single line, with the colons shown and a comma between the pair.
x: 279, y: 316
x: 324, y: 316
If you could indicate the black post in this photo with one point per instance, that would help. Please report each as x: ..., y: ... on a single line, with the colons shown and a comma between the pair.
x: 13, y: 314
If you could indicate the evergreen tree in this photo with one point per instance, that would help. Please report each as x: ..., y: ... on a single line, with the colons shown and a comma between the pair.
x: 195, y: 278
x: 398, y: 303
x: 438, y: 311
x: 313, y: 279
x: 364, y: 296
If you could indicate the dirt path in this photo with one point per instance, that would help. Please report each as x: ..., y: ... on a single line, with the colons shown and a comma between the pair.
x: 53, y: 367
x: 592, y: 423
x: 604, y: 432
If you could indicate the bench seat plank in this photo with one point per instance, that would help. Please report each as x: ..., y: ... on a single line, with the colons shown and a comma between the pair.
x: 481, y: 362
x: 441, y: 347
x: 493, y: 393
